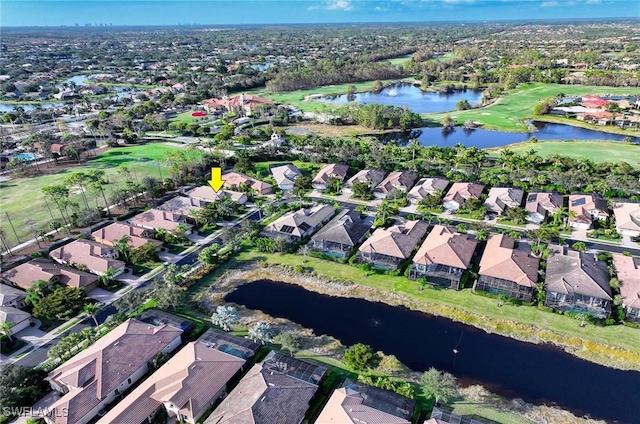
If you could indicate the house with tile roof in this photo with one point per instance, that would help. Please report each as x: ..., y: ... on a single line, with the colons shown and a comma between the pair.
x: 585, y: 208
x: 427, y: 187
x: 98, y: 258
x: 459, y: 193
x: 296, y: 225
x: 237, y: 181
x: 242, y: 104
x: 11, y: 296
x: 628, y: 272
x: 386, y: 248
x: 397, y: 181
x: 137, y: 236
x: 341, y: 234
x: 277, y: 390
x: 373, y: 177
x: 182, y: 206
x: 501, y: 198
x: 187, y: 385
x: 156, y: 219
x: 507, y: 270
x: 577, y: 282
x: 24, y: 275
x: 330, y: 170
x: 360, y: 403
x: 627, y: 219
x: 541, y: 205
x: 285, y: 175
x: 93, y: 378
x: 205, y: 194
x: 19, y: 319
x: 443, y: 257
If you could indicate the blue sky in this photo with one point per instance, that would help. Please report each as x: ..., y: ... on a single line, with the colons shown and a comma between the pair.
x: 204, y: 12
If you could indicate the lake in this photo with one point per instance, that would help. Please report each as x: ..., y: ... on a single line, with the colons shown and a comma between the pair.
x: 409, y: 95
x: 431, y: 136
x: 539, y: 374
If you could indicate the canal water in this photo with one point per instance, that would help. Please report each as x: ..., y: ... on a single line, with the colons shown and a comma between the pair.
x: 403, y: 94
x: 538, y: 374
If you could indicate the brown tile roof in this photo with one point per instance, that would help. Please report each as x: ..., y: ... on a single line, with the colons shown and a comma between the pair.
x: 397, y: 241
x: 400, y: 180
x: 95, y: 256
x: 581, y: 204
x: 627, y: 216
x: 346, y: 406
x: 265, y: 396
x: 427, y: 186
x: 543, y: 202
x: 207, y: 194
x: 156, y: 218
x: 26, y: 274
x: 190, y: 380
x: 500, y: 198
x: 446, y: 247
x: 373, y: 176
x: 112, y: 233
x: 234, y: 180
x: 459, y: 192
x: 97, y: 371
x: 501, y: 260
x: 299, y: 222
x: 628, y: 270
x: 331, y: 170
x: 569, y: 271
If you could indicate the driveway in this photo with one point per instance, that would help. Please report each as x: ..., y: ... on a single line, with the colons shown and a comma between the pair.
x: 102, y: 295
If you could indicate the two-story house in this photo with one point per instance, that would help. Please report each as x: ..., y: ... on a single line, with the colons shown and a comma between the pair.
x: 459, y: 193
x: 540, y: 205
x: 397, y: 181
x: 585, y: 208
x: 98, y: 258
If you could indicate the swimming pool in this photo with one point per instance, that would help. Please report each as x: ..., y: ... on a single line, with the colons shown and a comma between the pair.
x: 25, y: 156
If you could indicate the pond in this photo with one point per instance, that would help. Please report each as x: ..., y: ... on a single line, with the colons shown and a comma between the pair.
x: 261, y: 66
x: 409, y: 95
x: 539, y: 374
x: 485, y: 138
x: 8, y: 107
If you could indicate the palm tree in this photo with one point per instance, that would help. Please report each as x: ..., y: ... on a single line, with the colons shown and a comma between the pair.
x: 5, y: 329
x: 92, y: 310
x: 107, y: 278
x: 122, y: 245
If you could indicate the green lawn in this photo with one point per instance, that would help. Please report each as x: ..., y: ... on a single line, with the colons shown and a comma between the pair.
x: 597, y: 151
x: 398, y: 60
x: 187, y: 118
x: 22, y: 197
x: 509, y: 111
x: 467, y: 307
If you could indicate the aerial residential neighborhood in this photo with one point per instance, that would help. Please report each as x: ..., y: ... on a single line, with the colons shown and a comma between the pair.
x: 319, y: 212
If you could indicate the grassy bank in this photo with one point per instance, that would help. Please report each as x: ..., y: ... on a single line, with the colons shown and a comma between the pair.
x: 509, y: 111
x: 582, y: 124
x: 20, y: 193
x: 597, y: 151
x: 615, y: 346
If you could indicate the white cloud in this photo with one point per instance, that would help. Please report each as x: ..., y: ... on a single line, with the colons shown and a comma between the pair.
x: 549, y: 4
x: 339, y: 5
x: 458, y: 1
x: 593, y: 1
x: 313, y: 7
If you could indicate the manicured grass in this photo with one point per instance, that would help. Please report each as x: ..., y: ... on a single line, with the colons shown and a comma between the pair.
x: 22, y: 195
x: 597, y: 151
x: 466, y: 307
x: 188, y: 119
x: 398, y: 60
x: 509, y: 111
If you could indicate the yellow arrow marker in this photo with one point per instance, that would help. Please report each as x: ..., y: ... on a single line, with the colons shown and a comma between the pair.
x: 216, y: 181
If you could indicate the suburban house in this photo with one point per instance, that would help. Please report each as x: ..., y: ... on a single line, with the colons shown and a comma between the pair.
x: 24, y: 275
x: 341, y: 234
x: 443, y: 257
x: 330, y: 170
x: 204, y: 194
x: 507, y: 270
x: 19, y: 319
x: 459, y: 192
x: 371, y: 176
x: 186, y: 386
x: 627, y: 219
x: 540, y: 205
x: 156, y: 219
x: 296, y: 225
x: 427, y: 187
x: 396, y: 181
x: 237, y: 181
x: 277, y: 390
x: 501, y: 198
x: 181, y: 206
x: 11, y: 296
x: 386, y: 248
x: 359, y: 403
x: 586, y: 208
x: 98, y: 258
x: 577, y: 282
x: 137, y: 236
x: 242, y: 104
x: 285, y: 175
x: 628, y: 271
x: 94, y: 377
